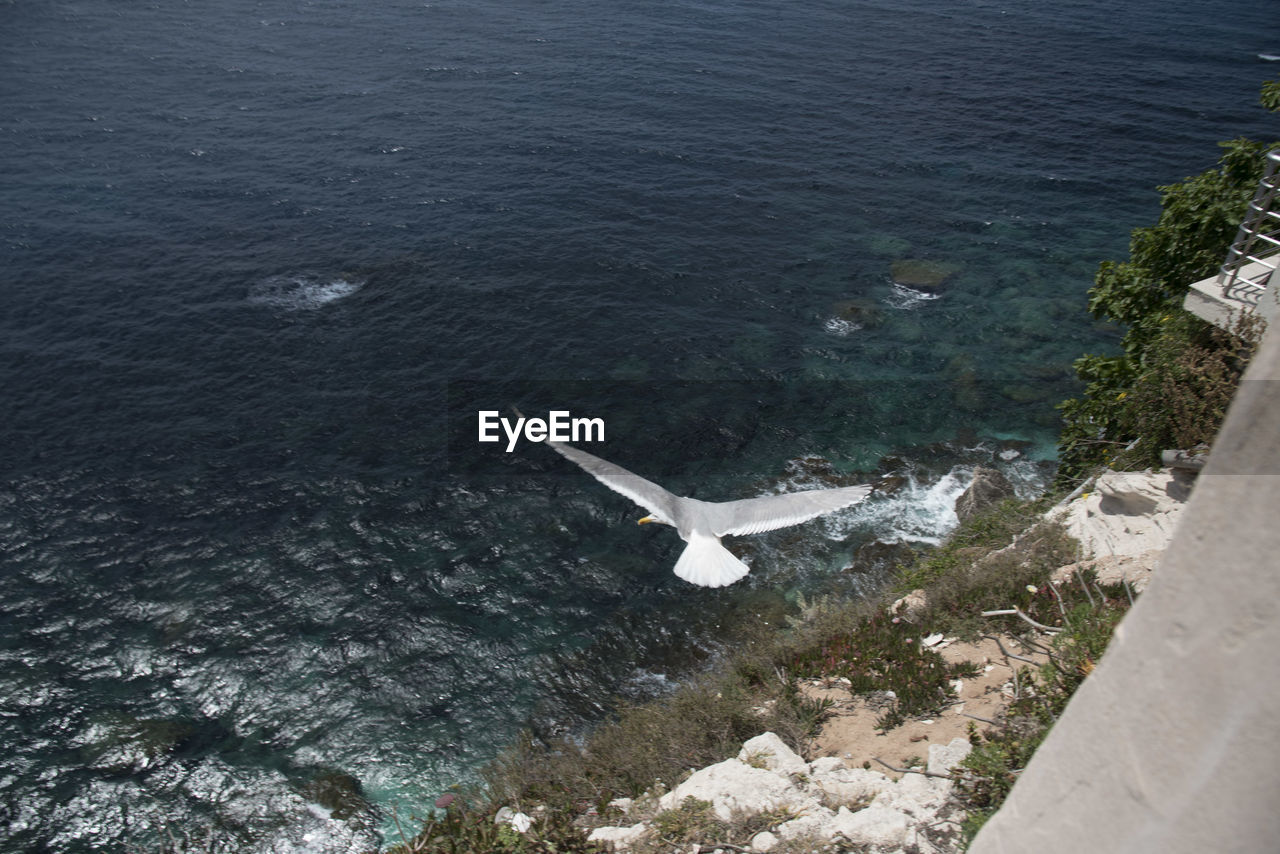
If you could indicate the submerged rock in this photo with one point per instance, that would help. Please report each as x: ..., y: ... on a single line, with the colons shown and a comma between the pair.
x: 865, y: 313
x: 922, y: 275
x: 339, y: 793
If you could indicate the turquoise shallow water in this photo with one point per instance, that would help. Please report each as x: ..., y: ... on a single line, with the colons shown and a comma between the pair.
x: 264, y: 261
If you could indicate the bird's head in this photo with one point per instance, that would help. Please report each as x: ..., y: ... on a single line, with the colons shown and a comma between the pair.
x: 654, y: 517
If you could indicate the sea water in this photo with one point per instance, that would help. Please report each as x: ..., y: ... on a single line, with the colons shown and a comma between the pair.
x: 264, y: 261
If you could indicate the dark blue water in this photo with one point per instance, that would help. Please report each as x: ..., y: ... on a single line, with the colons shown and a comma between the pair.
x: 263, y: 261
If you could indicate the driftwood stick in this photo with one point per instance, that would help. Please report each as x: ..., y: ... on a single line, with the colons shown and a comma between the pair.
x: 1058, y: 598
x: 1006, y: 652
x: 1034, y: 645
x: 1085, y: 588
x: 1011, y: 611
x: 912, y: 770
x: 984, y: 720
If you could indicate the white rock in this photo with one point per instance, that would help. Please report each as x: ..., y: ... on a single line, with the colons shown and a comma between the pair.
x: 764, y: 841
x: 773, y: 753
x: 733, y: 785
x: 1128, y: 513
x: 910, y: 606
x: 871, y: 826
x: 944, y: 757
x: 623, y: 805
x: 1134, y: 570
x: 620, y: 838
x: 816, y: 821
x: 825, y: 764
x: 915, y: 794
x: 848, y: 785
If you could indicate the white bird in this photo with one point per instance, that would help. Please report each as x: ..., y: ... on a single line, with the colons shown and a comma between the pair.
x: 701, y: 524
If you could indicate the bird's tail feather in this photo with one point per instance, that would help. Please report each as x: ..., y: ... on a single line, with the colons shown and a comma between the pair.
x: 707, y: 563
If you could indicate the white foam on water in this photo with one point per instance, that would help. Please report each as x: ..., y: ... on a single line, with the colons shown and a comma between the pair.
x: 905, y: 298
x: 840, y: 326
x: 298, y: 292
x: 921, y: 511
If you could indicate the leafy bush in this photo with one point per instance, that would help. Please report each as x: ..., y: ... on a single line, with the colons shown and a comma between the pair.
x: 1124, y: 416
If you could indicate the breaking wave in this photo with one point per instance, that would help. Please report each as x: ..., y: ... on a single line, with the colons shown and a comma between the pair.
x: 298, y: 292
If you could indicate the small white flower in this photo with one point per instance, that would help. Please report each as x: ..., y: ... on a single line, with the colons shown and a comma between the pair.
x: 1031, y: 588
x: 521, y: 822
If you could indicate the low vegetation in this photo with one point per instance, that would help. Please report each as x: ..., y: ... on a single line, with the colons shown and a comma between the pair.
x: 567, y: 786
x: 1089, y: 614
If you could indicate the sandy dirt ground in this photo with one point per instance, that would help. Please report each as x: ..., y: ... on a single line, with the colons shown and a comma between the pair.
x: 851, y: 734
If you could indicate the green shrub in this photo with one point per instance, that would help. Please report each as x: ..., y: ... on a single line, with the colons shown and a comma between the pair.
x: 1168, y: 386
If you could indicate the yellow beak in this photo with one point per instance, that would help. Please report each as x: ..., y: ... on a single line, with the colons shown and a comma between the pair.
x: 646, y: 520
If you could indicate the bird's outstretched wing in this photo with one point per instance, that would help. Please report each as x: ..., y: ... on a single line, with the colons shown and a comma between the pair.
x: 646, y: 493
x: 769, y: 512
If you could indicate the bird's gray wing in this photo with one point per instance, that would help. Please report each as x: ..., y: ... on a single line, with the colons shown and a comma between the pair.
x: 647, y: 494
x: 754, y: 515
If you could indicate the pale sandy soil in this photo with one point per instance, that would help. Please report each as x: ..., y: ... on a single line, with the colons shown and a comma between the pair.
x: 850, y: 732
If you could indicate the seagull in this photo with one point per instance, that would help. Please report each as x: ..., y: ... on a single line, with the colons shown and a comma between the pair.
x: 701, y: 524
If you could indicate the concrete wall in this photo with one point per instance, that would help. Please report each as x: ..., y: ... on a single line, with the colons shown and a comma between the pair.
x: 1173, y: 744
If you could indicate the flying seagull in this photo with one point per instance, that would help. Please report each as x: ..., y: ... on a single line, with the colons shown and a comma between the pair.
x: 701, y: 524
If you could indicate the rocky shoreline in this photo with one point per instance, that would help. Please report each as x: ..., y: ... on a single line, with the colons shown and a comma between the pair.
x: 836, y: 799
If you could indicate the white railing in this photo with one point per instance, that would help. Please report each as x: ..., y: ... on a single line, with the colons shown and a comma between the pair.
x: 1255, y: 255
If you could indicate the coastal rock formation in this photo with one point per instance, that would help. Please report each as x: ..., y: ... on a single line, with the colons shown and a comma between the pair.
x: 829, y: 800
x: 1126, y: 513
x: 989, y: 487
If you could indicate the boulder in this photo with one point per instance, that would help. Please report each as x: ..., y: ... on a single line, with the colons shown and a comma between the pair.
x: 944, y: 757
x: 1127, y: 513
x: 874, y: 825
x: 911, y: 606
x: 764, y: 841
x: 915, y: 795
x: 772, y: 752
x: 1134, y: 570
x: 815, y: 822
x: 881, y: 557
x: 338, y: 792
x: 733, y: 785
x: 618, y: 838
x: 846, y: 785
x: 988, y: 488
